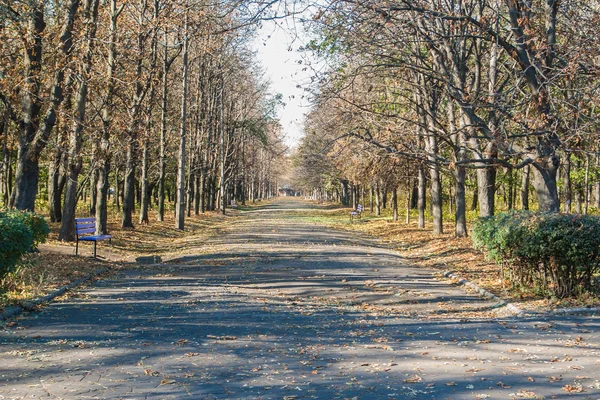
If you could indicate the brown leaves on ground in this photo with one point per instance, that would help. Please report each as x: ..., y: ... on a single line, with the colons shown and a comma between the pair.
x: 446, y: 252
x: 56, y: 264
x: 45, y: 272
x: 573, y: 388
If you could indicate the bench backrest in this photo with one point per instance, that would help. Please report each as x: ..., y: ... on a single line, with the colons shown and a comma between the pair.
x: 85, y: 226
x: 359, y: 208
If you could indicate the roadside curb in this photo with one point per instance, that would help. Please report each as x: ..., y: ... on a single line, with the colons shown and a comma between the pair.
x: 577, y: 310
x: 485, y: 293
x: 516, y: 310
x: 13, y: 311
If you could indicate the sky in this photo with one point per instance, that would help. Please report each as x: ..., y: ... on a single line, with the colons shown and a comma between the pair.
x: 277, y: 51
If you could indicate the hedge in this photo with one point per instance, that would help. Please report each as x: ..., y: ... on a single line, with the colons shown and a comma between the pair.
x: 20, y: 233
x: 552, y: 253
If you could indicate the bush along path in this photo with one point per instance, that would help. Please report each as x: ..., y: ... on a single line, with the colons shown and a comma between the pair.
x: 279, y: 307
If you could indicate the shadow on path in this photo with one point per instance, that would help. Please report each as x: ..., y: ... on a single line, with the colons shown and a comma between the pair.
x: 282, y: 309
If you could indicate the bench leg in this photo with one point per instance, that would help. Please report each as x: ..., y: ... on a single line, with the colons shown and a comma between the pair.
x: 95, y: 249
x: 76, y: 247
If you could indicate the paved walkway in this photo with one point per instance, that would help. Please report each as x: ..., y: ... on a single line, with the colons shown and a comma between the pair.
x: 282, y: 308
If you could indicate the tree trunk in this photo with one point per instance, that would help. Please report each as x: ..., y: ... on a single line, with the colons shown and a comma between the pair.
x: 586, y: 185
x: 345, y: 195
x: 103, y: 155
x: 6, y: 168
x: 35, y: 129
x: 422, y: 200
x: 180, y: 209
x: 544, y: 182
x: 102, y: 198
x: 509, y: 191
x: 75, y: 162
x: 436, y: 199
x: 486, y: 186
x: 475, y: 199
x: 567, y: 189
x: 56, y: 183
x: 395, y: 204
x: 525, y: 188
x: 145, y: 193
x: 93, y: 190
x: 436, y: 185
x: 129, y: 184
x: 377, y: 199
x: 597, y: 186
x: 409, y: 194
x: 461, y: 202
x: 413, y: 194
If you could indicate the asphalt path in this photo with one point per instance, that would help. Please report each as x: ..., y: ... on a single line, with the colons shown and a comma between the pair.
x: 281, y: 307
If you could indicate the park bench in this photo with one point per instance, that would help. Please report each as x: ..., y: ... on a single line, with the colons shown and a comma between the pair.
x: 85, y: 230
x: 233, y: 204
x: 356, y: 213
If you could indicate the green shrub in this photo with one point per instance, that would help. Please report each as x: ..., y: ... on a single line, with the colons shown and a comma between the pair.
x: 37, y: 224
x: 16, y: 239
x: 556, y: 253
x: 20, y: 232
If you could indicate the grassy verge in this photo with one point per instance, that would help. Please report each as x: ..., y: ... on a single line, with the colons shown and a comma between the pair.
x: 55, y: 265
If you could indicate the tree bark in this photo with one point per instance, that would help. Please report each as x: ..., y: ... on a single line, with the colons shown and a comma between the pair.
x: 144, y: 190
x: 395, y: 204
x: 544, y: 182
x: 525, y: 188
x: 422, y: 200
x: 377, y: 199
x: 461, y: 202
x: 56, y: 184
x: 345, y: 195
x: 129, y: 182
x: 180, y: 209
x: 486, y: 187
x: 75, y: 162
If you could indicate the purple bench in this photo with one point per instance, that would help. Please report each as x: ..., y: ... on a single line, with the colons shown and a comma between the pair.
x: 85, y: 230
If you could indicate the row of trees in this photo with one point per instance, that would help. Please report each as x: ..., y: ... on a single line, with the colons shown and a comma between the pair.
x: 158, y: 99
x: 501, y: 92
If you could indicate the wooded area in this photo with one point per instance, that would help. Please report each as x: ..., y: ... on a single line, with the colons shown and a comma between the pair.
x: 431, y: 103
x: 135, y: 102
x: 448, y: 100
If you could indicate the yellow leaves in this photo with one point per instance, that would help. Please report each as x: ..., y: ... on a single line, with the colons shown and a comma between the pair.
x: 414, y: 379
x: 150, y: 372
x: 573, y: 388
x: 517, y: 350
